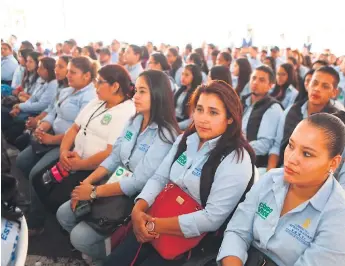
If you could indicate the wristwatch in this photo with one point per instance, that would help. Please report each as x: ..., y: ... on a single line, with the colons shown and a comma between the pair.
x: 150, y: 226
x: 93, y: 194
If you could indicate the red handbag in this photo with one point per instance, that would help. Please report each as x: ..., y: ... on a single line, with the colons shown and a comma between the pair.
x: 171, y: 202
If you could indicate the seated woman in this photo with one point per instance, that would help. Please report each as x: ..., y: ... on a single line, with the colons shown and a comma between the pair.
x: 42, y: 96
x: 191, y: 79
x: 140, y: 149
x: 89, y: 51
x: 293, y: 216
x: 241, y: 76
x: 21, y: 94
x: 220, y: 73
x: 158, y: 61
x: 8, y: 63
x: 81, y: 73
x: 285, y: 88
x: 20, y: 71
x: 195, y: 59
x: 31, y: 77
x: 176, y: 64
x: 93, y: 134
x: 215, y: 133
x: 61, y: 77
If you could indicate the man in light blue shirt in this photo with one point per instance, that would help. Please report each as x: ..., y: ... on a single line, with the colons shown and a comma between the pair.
x: 8, y: 64
x: 261, y: 114
x: 115, y: 47
x: 253, y: 57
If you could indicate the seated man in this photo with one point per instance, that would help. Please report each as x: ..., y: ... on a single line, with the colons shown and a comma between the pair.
x: 261, y: 114
x: 322, y: 88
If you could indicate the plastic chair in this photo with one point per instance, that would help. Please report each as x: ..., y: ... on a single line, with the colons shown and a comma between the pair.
x: 22, y: 248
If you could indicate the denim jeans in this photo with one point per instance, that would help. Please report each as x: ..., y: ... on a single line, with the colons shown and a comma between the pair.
x: 31, y: 165
x: 82, y: 236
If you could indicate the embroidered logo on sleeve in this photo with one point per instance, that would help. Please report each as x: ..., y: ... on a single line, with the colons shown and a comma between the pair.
x: 128, y: 135
x: 300, y: 233
x: 264, y: 210
x: 182, y: 159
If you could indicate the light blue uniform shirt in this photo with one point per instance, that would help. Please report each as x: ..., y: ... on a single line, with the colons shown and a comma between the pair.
x: 114, y: 57
x: 134, y: 71
x: 140, y: 153
x: 246, y: 90
x: 254, y: 62
x: 230, y: 182
x: 341, y: 87
x: 41, y: 97
x: 68, y: 107
x: 51, y: 106
x: 234, y: 81
x: 268, y: 127
x: 341, y: 171
x: 8, y: 66
x: 178, y: 76
x: 280, y: 131
x: 290, y: 96
x: 303, y: 71
x: 18, y: 77
x: 312, y: 234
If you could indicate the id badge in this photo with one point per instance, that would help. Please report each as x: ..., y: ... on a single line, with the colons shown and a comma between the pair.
x: 119, y: 173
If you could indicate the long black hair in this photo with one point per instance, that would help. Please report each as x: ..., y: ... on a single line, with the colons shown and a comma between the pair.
x: 27, y: 80
x: 221, y: 73
x: 279, y: 92
x: 231, y: 140
x: 162, y: 111
x: 64, y: 83
x: 245, y: 70
x: 303, y: 93
x: 178, y: 62
x: 49, y: 64
x: 204, y: 66
x: 197, y: 80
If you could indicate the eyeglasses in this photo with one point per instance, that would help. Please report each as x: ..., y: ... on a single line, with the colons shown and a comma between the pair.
x: 100, y: 82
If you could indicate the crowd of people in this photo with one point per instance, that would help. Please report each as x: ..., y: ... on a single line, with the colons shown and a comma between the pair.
x: 234, y: 152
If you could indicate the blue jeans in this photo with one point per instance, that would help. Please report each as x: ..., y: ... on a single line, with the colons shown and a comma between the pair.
x: 82, y: 236
x: 31, y: 165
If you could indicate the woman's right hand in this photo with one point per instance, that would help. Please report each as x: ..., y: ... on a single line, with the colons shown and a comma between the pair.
x: 74, y: 203
x: 64, y: 161
x: 139, y: 220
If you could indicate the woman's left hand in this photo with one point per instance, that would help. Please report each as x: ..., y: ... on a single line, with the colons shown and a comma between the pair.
x: 82, y: 192
x: 15, y: 112
x: 76, y: 161
x: 45, y: 138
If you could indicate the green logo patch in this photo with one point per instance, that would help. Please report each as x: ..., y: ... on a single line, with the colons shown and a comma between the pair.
x: 182, y: 160
x: 264, y: 210
x: 119, y: 172
x: 106, y: 119
x: 128, y: 135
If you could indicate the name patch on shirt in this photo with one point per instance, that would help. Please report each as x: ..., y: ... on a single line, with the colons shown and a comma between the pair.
x: 182, y: 160
x: 128, y: 135
x: 298, y: 232
x: 264, y: 210
x: 197, y: 172
x: 144, y: 147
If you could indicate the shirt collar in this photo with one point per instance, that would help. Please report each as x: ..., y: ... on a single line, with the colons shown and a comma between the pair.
x: 130, y: 68
x: 139, y: 119
x: 304, y: 109
x: 90, y: 86
x: 318, y: 201
x: 210, y: 144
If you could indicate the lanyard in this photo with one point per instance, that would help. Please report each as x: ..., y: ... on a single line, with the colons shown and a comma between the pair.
x: 93, y: 116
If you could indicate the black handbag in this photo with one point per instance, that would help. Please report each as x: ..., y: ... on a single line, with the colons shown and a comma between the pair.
x: 109, y: 213
x: 9, y: 101
x: 39, y: 148
x: 257, y: 258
